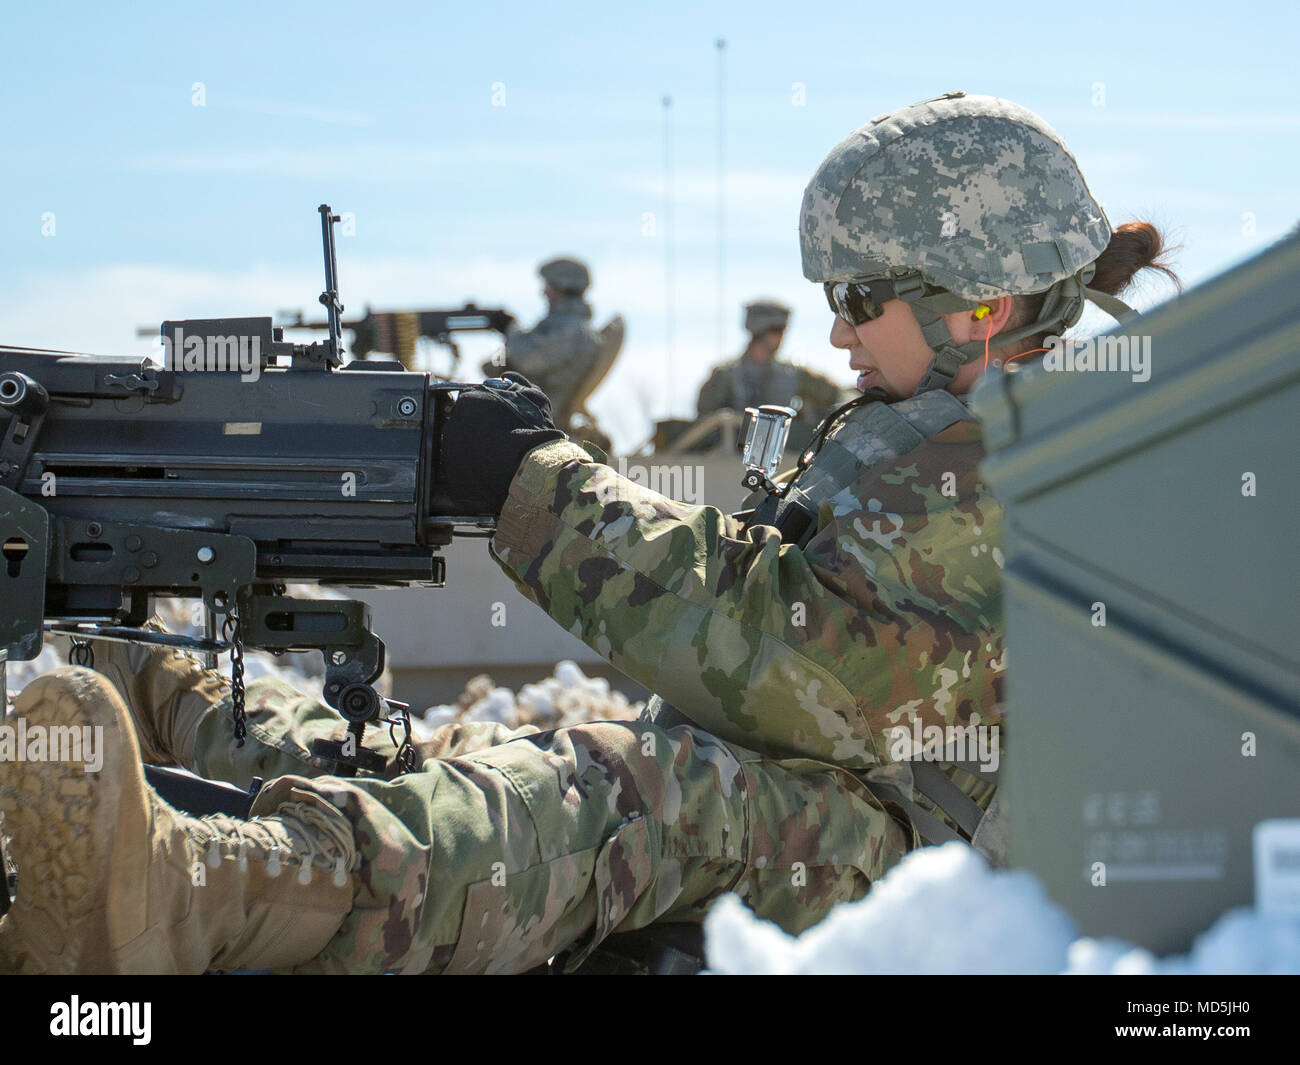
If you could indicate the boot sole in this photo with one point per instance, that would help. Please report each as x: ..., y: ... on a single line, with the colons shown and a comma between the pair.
x: 62, y: 821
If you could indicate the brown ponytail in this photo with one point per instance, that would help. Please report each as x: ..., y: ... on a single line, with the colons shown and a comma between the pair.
x: 1133, y: 246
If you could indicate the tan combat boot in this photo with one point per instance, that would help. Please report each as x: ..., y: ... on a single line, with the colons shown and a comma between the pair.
x: 167, y: 691
x: 112, y: 879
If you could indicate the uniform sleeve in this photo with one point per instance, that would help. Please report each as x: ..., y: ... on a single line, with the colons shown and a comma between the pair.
x: 713, y: 394
x: 891, y: 613
x: 820, y: 392
x: 532, y: 351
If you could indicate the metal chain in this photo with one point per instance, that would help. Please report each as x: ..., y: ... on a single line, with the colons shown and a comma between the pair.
x: 81, y: 653
x: 406, y: 756
x: 230, y: 632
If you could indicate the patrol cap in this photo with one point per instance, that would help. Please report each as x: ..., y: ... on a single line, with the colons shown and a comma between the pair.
x: 764, y: 315
x: 977, y: 194
x: 566, y: 274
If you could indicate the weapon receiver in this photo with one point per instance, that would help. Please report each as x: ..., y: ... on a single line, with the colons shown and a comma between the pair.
x: 242, y: 463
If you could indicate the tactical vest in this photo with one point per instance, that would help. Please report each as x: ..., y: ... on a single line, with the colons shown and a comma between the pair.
x: 867, y: 432
x: 863, y: 432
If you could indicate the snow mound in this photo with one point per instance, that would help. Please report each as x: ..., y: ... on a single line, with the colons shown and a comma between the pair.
x: 1241, y: 941
x: 569, y: 697
x: 944, y: 910
x: 940, y: 910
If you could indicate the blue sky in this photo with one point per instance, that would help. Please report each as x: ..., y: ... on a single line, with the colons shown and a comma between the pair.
x: 1183, y: 114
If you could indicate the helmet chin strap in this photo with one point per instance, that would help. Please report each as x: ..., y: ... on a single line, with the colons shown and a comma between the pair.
x: 1061, y: 309
x: 948, y: 357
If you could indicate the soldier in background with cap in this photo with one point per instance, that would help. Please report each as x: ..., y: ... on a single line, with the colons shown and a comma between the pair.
x: 560, y: 351
x: 757, y: 377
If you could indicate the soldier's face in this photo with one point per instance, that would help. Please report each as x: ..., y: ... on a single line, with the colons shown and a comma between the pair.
x: 890, y: 352
x: 770, y: 343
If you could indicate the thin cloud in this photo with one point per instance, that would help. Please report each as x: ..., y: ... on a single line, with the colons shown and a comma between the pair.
x: 333, y: 116
x: 1116, y: 116
x: 750, y: 190
x: 383, y: 162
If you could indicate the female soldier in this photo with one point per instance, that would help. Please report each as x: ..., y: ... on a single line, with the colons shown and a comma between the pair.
x: 949, y: 234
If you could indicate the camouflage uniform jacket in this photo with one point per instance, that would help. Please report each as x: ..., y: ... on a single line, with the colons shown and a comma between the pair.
x: 558, y: 353
x: 889, y: 617
x: 746, y: 382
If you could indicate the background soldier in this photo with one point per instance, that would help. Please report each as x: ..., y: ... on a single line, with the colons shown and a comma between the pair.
x: 758, y: 377
x: 560, y: 351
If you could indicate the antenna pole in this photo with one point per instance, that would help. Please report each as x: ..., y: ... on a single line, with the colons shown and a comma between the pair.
x: 669, y: 301
x: 721, y: 45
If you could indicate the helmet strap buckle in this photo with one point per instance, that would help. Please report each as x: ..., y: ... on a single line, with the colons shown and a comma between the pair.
x: 943, y: 369
x: 909, y: 287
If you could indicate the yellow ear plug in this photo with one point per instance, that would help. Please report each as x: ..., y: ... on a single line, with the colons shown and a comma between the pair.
x: 982, y: 312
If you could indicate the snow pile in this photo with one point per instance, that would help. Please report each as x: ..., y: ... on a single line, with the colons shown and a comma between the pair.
x: 304, y: 671
x: 569, y: 697
x: 944, y: 910
x: 1241, y: 941
x: 940, y: 910
x: 19, y: 674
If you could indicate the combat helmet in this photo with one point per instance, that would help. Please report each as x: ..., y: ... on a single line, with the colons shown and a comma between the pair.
x: 570, y: 276
x: 953, y: 201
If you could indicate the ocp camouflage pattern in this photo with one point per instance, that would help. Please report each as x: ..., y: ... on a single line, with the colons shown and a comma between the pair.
x: 510, y: 846
x: 497, y: 860
x: 892, y: 612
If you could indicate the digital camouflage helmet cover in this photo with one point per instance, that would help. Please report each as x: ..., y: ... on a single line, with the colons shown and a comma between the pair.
x: 957, y: 200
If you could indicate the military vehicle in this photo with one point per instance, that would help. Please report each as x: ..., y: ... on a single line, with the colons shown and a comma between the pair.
x: 1153, y: 637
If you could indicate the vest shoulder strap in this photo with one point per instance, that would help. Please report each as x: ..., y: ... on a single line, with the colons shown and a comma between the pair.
x: 864, y: 435
x: 932, y: 412
x: 984, y: 829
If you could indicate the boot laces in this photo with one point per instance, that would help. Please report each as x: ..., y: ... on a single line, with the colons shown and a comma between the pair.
x: 197, y: 670
x: 298, y: 834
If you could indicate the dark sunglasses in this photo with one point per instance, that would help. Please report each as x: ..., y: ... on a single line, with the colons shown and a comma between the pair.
x: 859, y: 302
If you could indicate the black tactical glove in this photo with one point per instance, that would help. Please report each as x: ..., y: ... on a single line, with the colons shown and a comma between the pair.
x: 490, y: 429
